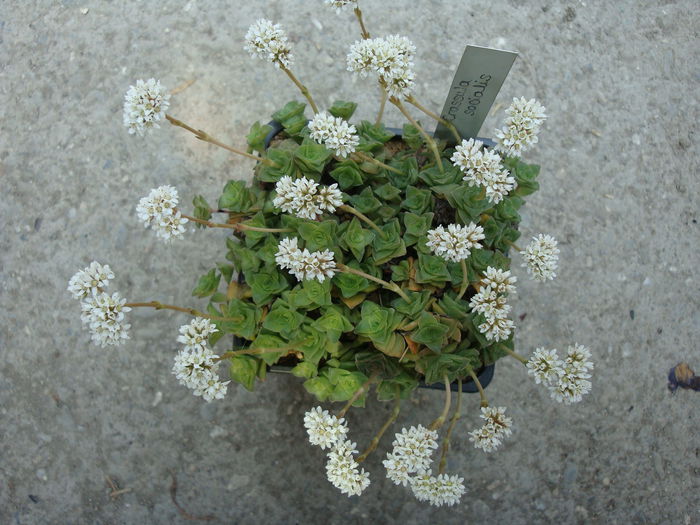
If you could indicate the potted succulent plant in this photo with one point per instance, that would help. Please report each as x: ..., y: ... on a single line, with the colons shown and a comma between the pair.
x: 361, y: 259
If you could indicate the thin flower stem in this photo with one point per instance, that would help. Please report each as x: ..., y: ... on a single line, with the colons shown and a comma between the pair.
x: 465, y: 279
x: 160, y: 306
x: 412, y: 100
x: 251, y: 211
x: 304, y: 90
x: 514, y: 245
x: 453, y: 421
x: 375, y: 441
x: 371, y: 159
x: 363, y: 29
x: 446, y: 409
x: 482, y: 394
x: 382, y: 105
x: 428, y: 139
x: 358, y: 393
x: 203, y: 136
x: 239, y: 226
x: 364, y: 218
x: 514, y: 354
x: 388, y: 285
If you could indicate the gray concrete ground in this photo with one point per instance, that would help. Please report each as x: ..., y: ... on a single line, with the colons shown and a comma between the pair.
x: 619, y: 190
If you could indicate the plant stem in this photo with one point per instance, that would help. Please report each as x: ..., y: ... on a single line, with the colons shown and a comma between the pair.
x: 363, y: 29
x: 382, y: 105
x: 363, y: 389
x: 364, y: 218
x: 371, y: 159
x: 302, y: 88
x: 237, y: 226
x: 160, y: 306
x: 482, y: 394
x: 203, y: 136
x: 446, y: 409
x: 251, y: 351
x: 411, y: 100
x: 446, y: 442
x: 428, y: 139
x: 514, y: 245
x: 514, y: 354
x: 388, y: 285
x: 375, y: 441
x: 465, y: 279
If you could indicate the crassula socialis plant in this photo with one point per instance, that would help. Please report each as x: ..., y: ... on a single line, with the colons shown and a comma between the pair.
x: 363, y: 258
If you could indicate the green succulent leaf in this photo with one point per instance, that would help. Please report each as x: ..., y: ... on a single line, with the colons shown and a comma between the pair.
x: 412, y: 136
x: 400, y: 272
x: 265, y: 284
x: 226, y: 270
x: 432, y: 269
x: 311, y: 157
x: 342, y: 109
x: 208, y: 283
x: 350, y: 284
x: 333, y: 323
x: 284, y: 163
x: 348, y: 174
x: 374, y: 133
x: 305, y: 369
x: 243, y: 370
x: 256, y: 136
x: 388, y: 193
x: 236, y: 197
x: 314, y: 344
x: 357, y: 238
x: 291, y: 116
x: 202, y: 210
x: 390, y: 245
x: 365, y: 201
x: 435, y: 367
x: 419, y: 300
x: 417, y: 226
x: 282, y: 319
x: 432, y: 175
x: 319, y: 293
x: 245, y: 318
x: 253, y: 237
x: 244, y: 259
x: 417, y: 200
x: 430, y: 332
x: 378, y: 323
x: 272, y: 342
x: 345, y: 384
x: 318, y: 235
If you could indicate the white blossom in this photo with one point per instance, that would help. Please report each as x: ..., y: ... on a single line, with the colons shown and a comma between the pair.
x: 544, y: 365
x: 389, y: 58
x: 438, y: 490
x: 541, y: 257
x: 89, y: 281
x: 336, y: 133
x: 344, y: 472
x: 144, y: 105
x: 523, y: 123
x: 104, y: 316
x: 198, y: 371
x: 491, y: 434
x: 497, y: 328
x: 485, y: 438
x: 489, y: 303
x: 341, y: 5
x: 412, y: 452
x: 268, y: 41
x: 195, y: 335
x: 306, y: 198
x: 499, y: 186
x: 483, y: 168
x: 303, y: 264
x: 158, y: 210
x: 288, y: 253
x: 501, y: 281
x: 572, y: 382
x: 324, y: 429
x: 170, y: 226
x: 455, y: 243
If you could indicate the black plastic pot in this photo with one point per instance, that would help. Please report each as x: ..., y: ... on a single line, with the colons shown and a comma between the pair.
x: 485, y: 374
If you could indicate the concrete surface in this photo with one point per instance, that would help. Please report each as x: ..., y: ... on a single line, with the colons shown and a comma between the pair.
x: 619, y: 190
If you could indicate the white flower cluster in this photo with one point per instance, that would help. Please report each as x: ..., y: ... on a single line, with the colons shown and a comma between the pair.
x: 268, y: 41
x: 158, y: 210
x: 390, y: 58
x: 438, y: 490
x: 455, y: 243
x: 302, y: 264
x: 102, y: 313
x: 523, y: 123
x: 144, y: 105
x: 566, y: 380
x: 327, y: 431
x: 496, y: 427
x: 412, y: 453
x: 409, y: 464
x: 490, y: 301
x: 324, y: 429
x: 90, y: 281
x: 483, y: 168
x: 340, y: 5
x: 195, y: 365
x: 306, y: 198
x: 541, y: 257
x: 344, y: 472
x: 335, y: 133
